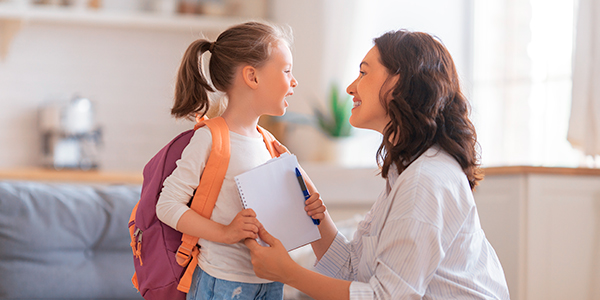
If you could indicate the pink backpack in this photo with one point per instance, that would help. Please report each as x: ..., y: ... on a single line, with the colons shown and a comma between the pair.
x: 164, y: 259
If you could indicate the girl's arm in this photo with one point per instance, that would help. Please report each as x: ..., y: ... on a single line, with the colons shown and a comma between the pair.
x: 178, y: 189
x: 327, y: 229
x: 274, y: 263
x: 244, y: 225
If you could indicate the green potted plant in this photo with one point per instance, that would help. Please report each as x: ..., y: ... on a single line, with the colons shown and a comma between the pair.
x: 334, y: 121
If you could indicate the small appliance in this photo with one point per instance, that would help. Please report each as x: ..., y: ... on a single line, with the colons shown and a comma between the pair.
x: 70, y: 136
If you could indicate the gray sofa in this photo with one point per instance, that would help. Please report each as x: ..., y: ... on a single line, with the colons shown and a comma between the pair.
x: 66, y: 241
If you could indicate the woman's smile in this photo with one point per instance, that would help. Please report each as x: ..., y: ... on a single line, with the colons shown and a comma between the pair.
x: 356, y: 103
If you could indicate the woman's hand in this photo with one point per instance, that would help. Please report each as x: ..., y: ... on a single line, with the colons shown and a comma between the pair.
x: 244, y: 226
x: 314, y: 207
x: 271, y: 263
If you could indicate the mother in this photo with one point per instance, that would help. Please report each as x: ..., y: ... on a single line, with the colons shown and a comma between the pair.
x: 422, y: 237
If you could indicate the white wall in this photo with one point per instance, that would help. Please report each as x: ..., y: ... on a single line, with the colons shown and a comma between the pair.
x: 129, y: 73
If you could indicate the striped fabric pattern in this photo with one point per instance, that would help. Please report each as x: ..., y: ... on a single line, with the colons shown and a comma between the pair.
x: 421, y: 240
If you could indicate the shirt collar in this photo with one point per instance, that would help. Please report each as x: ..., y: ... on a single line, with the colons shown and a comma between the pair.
x: 392, y: 177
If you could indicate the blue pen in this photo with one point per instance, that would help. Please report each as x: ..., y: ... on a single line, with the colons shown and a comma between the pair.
x: 305, y: 192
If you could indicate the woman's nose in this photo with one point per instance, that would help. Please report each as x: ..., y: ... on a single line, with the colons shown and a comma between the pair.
x: 351, y: 88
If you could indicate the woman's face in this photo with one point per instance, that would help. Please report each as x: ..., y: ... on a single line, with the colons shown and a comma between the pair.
x: 368, y: 112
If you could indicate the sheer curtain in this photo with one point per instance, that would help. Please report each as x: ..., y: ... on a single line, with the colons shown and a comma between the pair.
x: 584, y: 125
x: 521, y: 90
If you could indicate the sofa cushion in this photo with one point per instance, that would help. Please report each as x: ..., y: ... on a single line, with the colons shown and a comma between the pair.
x: 65, y: 241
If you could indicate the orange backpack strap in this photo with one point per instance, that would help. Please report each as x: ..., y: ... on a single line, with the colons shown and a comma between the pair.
x: 269, y: 140
x: 208, y: 190
x: 206, y: 195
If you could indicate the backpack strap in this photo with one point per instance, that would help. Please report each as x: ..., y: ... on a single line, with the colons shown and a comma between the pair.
x: 269, y: 140
x: 206, y: 194
x: 208, y: 190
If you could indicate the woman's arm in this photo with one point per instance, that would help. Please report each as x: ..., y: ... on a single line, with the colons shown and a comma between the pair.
x: 274, y: 263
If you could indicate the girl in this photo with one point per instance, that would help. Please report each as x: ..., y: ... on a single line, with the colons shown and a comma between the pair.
x: 252, y: 64
x: 422, y: 237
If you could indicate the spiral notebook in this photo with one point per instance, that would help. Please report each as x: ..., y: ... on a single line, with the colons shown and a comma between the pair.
x: 273, y: 192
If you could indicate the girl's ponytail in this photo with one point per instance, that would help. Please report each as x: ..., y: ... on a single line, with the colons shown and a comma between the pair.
x: 191, y: 88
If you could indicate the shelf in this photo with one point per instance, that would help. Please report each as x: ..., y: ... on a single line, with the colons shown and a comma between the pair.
x: 48, y: 175
x: 512, y: 170
x: 135, y: 20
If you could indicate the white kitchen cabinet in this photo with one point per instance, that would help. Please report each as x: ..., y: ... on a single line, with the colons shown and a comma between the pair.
x: 545, y: 226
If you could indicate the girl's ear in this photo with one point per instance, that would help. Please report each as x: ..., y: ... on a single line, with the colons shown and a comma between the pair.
x: 250, y: 76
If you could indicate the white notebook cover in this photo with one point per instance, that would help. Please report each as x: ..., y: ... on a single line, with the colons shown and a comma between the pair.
x: 273, y: 192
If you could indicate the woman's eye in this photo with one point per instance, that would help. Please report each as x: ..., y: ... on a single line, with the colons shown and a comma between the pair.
x: 362, y: 73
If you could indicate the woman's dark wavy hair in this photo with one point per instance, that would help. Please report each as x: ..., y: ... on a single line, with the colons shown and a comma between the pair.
x: 427, y: 106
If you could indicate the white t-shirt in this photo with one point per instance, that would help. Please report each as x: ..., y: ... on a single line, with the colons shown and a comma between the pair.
x: 223, y: 261
x: 421, y: 239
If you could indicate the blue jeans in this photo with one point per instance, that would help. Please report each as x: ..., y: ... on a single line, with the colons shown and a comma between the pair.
x: 206, y: 287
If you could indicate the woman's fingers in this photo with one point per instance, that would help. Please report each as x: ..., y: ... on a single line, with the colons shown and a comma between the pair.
x: 252, y: 244
x: 266, y: 237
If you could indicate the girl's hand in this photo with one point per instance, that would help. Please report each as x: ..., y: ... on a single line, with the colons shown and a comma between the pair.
x: 314, y: 207
x: 271, y: 263
x: 244, y: 226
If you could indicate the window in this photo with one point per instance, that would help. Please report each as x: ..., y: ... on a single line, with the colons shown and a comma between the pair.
x: 521, y: 92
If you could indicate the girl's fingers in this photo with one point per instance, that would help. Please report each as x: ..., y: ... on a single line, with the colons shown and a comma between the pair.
x: 319, y: 210
x: 248, y: 212
x: 313, y: 198
x: 251, y: 228
x: 314, y: 203
x: 251, y: 221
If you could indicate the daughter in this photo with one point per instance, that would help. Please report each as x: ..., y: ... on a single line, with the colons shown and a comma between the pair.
x: 252, y: 64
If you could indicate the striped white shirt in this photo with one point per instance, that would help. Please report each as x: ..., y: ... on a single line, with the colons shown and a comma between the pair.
x: 421, y: 240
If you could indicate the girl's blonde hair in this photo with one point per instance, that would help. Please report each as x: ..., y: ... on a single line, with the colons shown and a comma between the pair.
x: 249, y: 43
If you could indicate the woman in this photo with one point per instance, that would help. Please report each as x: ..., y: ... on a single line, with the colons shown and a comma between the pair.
x: 422, y: 237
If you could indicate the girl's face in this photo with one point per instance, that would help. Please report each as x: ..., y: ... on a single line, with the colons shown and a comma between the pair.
x: 276, y: 81
x: 368, y: 112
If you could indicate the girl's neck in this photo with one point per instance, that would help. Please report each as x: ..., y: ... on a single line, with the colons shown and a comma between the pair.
x: 241, y: 120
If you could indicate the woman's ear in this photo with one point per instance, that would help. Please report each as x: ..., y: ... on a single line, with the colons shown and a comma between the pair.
x: 250, y: 76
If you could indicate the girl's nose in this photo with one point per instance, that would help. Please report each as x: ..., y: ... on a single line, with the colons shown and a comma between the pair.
x: 294, y: 82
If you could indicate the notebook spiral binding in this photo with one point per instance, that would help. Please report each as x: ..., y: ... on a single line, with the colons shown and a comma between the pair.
x: 237, y: 182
